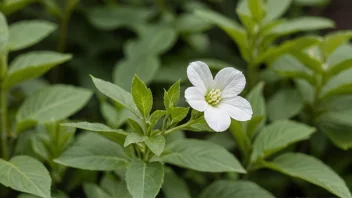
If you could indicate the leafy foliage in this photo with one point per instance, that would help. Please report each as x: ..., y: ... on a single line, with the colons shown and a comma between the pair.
x: 137, y: 138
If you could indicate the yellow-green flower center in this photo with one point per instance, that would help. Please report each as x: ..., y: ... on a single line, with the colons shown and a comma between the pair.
x: 213, y: 97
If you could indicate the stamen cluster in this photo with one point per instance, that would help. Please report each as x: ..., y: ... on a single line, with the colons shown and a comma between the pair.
x: 213, y: 97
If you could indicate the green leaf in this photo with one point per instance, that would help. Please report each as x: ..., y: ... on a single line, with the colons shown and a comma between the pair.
x: 142, y: 96
x: 116, y: 93
x: 33, y: 64
x: 201, y: 156
x: 154, y: 40
x: 178, y: 114
x: 337, y: 126
x: 112, y: 17
x: 94, y: 152
x: 144, y: 180
x: 341, y: 53
x: 312, y: 170
x: 133, y: 138
x: 11, y: 6
x: 334, y: 70
x: 174, y: 186
x: 288, y: 99
x: 291, y: 67
x: 156, y: 144
x: 116, y: 135
x: 94, y: 191
x: 278, y: 136
x: 276, y: 8
x: 136, y: 127
x: 286, y: 47
x: 199, y: 125
x: 53, y: 103
x: 306, y: 23
x: 25, y: 174
x: 24, y: 34
x: 116, y: 188
x: 155, y: 117
x: 144, y: 67
x: 4, y: 35
x: 307, y: 91
x: 200, y: 42
x: 242, y: 140
x: 339, y: 85
x: 309, y: 61
x: 113, y: 116
x: 248, y: 23
x: 234, y: 30
x: 333, y: 40
x: 173, y: 94
x: 256, y: 8
x: 256, y: 99
x: 226, y: 189
x: 187, y: 23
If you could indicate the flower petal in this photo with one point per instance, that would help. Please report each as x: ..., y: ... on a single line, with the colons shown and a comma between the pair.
x: 237, y: 107
x: 217, y: 118
x: 195, y: 98
x: 230, y: 81
x: 200, y: 76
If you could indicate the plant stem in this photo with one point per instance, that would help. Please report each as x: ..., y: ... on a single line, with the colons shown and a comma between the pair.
x: 251, y: 75
x: 3, y: 108
x: 182, y: 126
x: 3, y: 123
x: 63, y: 32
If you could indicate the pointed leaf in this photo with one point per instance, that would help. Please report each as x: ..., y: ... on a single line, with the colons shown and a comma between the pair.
x: 201, y: 156
x: 24, y: 34
x: 116, y: 93
x: 257, y: 9
x: 278, y: 136
x: 174, y: 186
x: 51, y: 104
x: 145, y: 67
x: 144, y: 180
x: 311, y: 170
x: 256, y: 99
x: 115, y: 187
x: 334, y: 40
x: 94, y: 191
x: 94, y: 152
x: 226, y: 189
x: 133, y: 138
x: 286, y: 47
x: 231, y: 27
x: 116, y: 135
x: 4, y: 35
x: 276, y: 8
x: 112, y: 17
x: 155, y: 117
x: 156, y: 144
x: 25, y: 174
x: 178, y: 114
x: 307, y: 23
x: 142, y: 96
x: 288, y: 99
x: 33, y: 64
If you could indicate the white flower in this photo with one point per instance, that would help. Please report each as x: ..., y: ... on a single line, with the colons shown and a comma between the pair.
x: 217, y: 98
